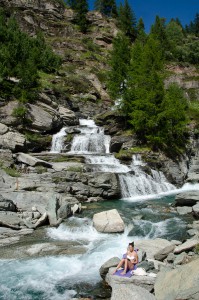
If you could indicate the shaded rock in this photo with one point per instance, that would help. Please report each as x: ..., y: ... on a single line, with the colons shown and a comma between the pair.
x: 41, y: 221
x: 147, y: 265
x: 64, y: 211
x: 14, y: 141
x: 188, y: 245
x: 108, y: 221
x: 171, y: 257
x: 188, y: 198
x: 44, y: 118
x: 183, y: 210
x: 52, y: 208
x: 146, y: 282
x: 181, y: 283
x: 163, y: 253
x: 7, y: 205
x: 112, y: 262
x: 6, y: 113
x: 6, y: 158
x: 3, y: 128
x: 10, y: 220
x: 68, y: 116
x: 31, y: 161
x: 180, y: 259
x: 195, y: 210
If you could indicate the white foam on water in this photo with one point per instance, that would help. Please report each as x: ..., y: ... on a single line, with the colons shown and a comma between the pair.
x: 87, y: 122
x: 58, y: 141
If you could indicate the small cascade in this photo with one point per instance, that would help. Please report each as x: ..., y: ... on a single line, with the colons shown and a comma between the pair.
x: 58, y: 141
x: 91, y: 140
x: 139, y: 183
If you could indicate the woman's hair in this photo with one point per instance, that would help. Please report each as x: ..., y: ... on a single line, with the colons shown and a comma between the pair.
x: 131, y: 244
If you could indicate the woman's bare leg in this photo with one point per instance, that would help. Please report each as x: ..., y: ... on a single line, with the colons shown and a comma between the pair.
x: 125, y: 267
x: 119, y: 265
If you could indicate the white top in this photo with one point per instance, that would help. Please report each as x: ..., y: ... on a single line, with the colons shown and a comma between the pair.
x: 130, y: 257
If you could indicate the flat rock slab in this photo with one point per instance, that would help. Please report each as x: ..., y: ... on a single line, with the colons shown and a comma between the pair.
x: 10, y: 220
x: 126, y: 292
x: 151, y: 247
x: 183, y: 210
x: 188, y: 198
x: 188, y: 245
x: 108, y: 222
x: 31, y: 161
x: 181, y: 283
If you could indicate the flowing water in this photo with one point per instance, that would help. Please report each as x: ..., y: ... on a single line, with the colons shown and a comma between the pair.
x: 68, y: 276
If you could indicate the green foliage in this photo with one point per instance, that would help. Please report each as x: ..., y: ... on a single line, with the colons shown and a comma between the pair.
x: 40, y: 169
x: 81, y: 9
x: 158, y: 29
x: 119, y: 62
x: 193, y: 27
x: 127, y: 20
x: 11, y: 172
x: 106, y: 7
x: 20, y: 59
x: 75, y: 169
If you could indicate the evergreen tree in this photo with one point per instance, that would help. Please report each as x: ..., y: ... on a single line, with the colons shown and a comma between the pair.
x: 119, y: 64
x: 141, y: 35
x: 106, y: 7
x: 127, y: 20
x: 173, y: 118
x: 158, y: 29
x: 82, y: 9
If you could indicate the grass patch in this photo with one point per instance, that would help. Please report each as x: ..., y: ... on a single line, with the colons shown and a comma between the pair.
x: 127, y: 154
x: 75, y: 169
x: 196, y: 250
x: 193, y: 111
x: 40, y: 169
x: 11, y: 172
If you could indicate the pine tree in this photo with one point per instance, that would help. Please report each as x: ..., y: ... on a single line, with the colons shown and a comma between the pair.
x: 119, y: 63
x: 158, y: 29
x: 127, y: 20
x: 106, y: 7
x: 141, y: 35
x: 81, y: 19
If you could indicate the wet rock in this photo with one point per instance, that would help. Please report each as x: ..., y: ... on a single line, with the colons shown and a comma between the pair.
x: 163, y: 253
x: 188, y: 198
x: 181, y: 283
x: 64, y: 211
x: 183, y: 210
x: 52, y: 208
x: 108, y: 221
x: 188, y: 245
x: 112, y: 262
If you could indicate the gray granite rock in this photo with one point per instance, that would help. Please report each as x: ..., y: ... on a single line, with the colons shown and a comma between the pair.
x: 183, y: 210
x: 163, y: 253
x: 108, y: 221
x: 188, y: 198
x: 112, y: 262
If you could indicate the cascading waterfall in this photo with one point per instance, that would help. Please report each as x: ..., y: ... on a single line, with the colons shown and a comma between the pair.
x: 58, y: 141
x: 139, y: 183
x: 94, y: 145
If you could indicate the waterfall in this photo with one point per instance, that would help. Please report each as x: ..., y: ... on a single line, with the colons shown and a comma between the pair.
x: 139, y: 183
x: 94, y: 145
x: 58, y: 141
x: 91, y: 140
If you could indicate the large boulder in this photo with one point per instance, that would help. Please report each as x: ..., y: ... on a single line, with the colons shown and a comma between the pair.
x: 6, y: 158
x: 44, y: 117
x: 146, y: 282
x: 3, y: 128
x: 68, y: 116
x: 112, y: 262
x: 10, y: 220
x: 188, y: 198
x: 108, y: 221
x: 31, y: 160
x: 152, y: 247
x: 181, y: 283
x: 7, y: 205
x: 13, y: 140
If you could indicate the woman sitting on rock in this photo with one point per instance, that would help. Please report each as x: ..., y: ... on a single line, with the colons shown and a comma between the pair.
x: 129, y: 260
